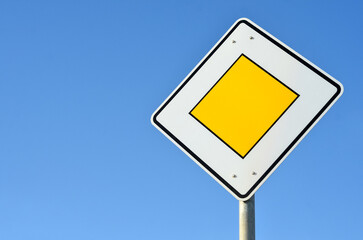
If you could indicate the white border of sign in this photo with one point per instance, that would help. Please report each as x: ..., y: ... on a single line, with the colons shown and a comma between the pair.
x: 317, y: 92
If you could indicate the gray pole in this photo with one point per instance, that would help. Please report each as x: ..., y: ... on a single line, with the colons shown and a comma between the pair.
x: 247, y: 219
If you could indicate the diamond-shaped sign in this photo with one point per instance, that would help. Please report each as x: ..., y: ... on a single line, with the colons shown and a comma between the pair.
x: 245, y: 106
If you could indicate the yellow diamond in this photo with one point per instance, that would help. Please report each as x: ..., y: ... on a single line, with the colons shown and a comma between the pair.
x: 243, y: 105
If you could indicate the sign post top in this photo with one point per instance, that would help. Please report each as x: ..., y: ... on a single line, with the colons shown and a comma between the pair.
x: 245, y: 107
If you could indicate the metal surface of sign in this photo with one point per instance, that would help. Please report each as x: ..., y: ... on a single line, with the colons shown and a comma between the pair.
x: 245, y: 106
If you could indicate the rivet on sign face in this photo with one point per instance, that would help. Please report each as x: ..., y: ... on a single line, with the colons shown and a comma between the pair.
x: 233, y: 41
x: 252, y: 38
x: 254, y: 173
x: 234, y: 175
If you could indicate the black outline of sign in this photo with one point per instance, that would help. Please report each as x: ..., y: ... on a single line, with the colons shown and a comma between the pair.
x: 190, y: 113
x: 263, y: 176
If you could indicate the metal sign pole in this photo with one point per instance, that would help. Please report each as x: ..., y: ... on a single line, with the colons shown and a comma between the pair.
x: 247, y: 219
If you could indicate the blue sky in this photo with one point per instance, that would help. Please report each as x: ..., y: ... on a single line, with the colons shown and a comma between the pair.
x: 79, y: 158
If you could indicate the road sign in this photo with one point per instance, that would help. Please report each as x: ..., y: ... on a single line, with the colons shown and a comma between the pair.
x: 245, y: 107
